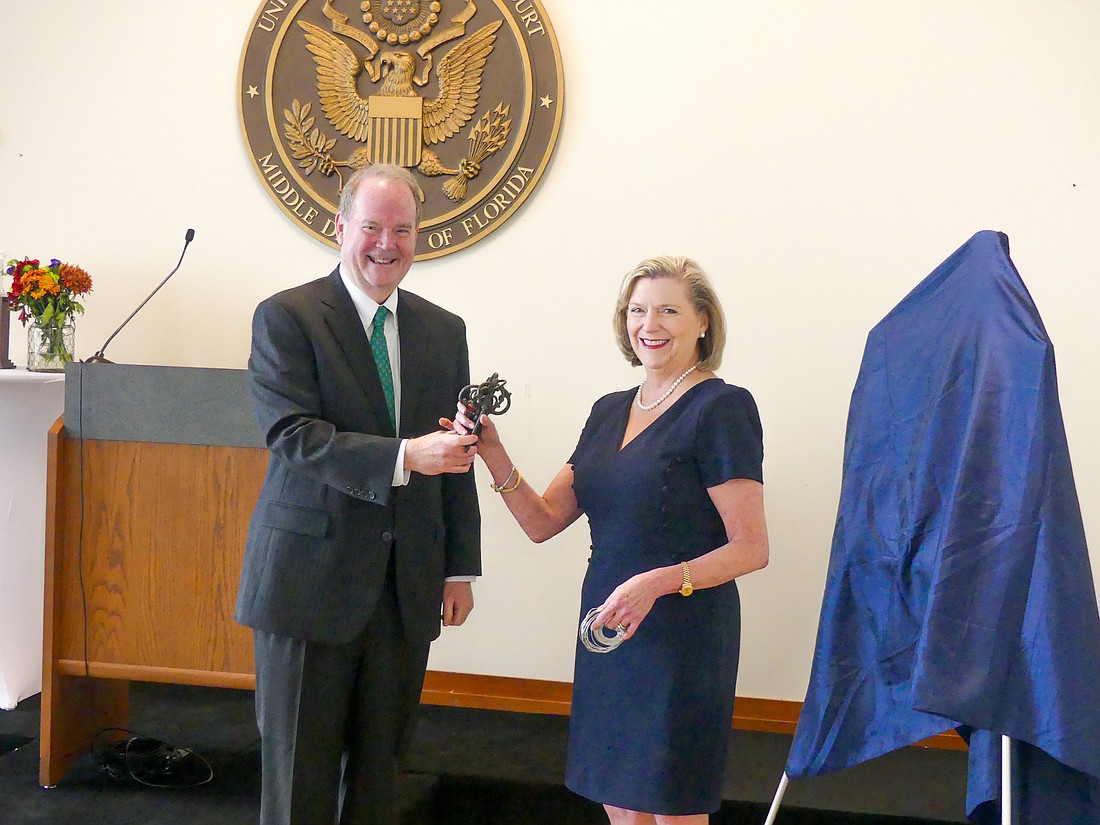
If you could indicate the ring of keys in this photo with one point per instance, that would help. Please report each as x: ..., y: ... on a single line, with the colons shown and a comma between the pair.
x: 598, y: 640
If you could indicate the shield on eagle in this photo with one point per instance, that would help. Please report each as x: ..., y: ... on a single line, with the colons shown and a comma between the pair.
x: 396, y: 129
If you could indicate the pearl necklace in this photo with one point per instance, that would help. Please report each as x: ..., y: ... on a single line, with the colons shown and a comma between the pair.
x: 667, y: 393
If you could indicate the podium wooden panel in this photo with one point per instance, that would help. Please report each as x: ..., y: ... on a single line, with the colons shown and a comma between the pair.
x: 144, y: 539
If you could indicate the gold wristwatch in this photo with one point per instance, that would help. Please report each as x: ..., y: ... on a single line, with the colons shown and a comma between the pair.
x: 686, y: 589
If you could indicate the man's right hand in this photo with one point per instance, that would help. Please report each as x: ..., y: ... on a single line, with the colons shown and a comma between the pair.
x: 440, y: 452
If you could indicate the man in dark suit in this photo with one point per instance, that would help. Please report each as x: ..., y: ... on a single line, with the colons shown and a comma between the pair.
x: 367, y: 527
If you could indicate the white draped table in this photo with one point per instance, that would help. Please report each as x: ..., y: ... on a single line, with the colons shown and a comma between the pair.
x: 30, y: 403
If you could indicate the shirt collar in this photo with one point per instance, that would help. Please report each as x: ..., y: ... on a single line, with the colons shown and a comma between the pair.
x: 364, y: 304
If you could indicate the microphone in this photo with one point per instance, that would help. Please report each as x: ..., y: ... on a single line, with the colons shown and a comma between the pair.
x: 98, y: 357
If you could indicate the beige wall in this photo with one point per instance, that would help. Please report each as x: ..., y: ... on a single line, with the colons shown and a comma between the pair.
x: 817, y: 158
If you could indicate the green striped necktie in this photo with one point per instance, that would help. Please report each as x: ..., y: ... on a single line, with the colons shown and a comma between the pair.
x: 382, y: 358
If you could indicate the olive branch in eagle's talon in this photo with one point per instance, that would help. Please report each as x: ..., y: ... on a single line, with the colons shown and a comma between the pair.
x: 311, y: 152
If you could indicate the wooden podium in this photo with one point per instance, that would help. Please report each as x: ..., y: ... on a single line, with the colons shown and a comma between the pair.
x: 152, y: 476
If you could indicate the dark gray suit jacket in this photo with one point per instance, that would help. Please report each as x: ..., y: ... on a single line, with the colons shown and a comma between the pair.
x: 328, y: 515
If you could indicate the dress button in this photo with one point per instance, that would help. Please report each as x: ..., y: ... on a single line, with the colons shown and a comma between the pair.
x: 387, y: 536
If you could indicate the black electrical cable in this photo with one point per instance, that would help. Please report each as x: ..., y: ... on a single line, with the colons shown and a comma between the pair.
x: 149, y: 761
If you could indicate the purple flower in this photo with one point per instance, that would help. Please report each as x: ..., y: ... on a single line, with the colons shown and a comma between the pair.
x: 54, y: 262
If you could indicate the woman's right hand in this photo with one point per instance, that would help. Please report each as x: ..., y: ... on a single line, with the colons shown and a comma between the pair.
x: 462, y: 423
x: 488, y: 438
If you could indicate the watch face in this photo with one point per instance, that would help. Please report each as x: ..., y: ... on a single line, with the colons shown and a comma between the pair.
x: 686, y: 590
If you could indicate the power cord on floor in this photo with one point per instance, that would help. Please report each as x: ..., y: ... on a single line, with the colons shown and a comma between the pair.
x: 148, y: 761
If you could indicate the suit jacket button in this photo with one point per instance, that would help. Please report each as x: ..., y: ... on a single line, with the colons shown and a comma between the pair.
x: 371, y: 495
x: 387, y: 536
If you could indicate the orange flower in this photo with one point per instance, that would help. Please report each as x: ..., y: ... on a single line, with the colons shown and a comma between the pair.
x: 75, y: 279
x: 40, y: 282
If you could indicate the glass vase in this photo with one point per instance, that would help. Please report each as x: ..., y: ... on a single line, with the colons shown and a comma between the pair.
x: 50, y: 346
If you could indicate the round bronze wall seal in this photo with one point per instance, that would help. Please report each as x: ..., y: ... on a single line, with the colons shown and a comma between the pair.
x: 466, y: 95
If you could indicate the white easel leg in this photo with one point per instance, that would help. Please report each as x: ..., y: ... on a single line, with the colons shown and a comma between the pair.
x: 1006, y: 781
x: 778, y: 800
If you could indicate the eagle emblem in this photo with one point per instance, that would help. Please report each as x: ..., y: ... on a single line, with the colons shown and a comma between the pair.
x: 393, y: 122
x: 466, y: 94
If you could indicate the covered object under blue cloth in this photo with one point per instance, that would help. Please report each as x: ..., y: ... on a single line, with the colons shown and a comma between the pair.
x: 959, y: 591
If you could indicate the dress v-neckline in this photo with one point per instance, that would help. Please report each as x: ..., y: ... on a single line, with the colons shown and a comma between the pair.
x: 630, y: 406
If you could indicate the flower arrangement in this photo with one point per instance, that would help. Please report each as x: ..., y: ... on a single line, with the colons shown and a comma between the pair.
x: 47, y: 295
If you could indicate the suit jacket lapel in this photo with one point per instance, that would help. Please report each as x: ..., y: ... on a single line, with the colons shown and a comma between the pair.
x: 347, y: 328
x: 415, y: 338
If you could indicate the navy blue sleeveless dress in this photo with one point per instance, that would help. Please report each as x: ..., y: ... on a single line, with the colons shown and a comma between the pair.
x: 649, y: 728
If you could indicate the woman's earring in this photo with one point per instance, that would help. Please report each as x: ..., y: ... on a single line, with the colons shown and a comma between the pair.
x: 703, y: 334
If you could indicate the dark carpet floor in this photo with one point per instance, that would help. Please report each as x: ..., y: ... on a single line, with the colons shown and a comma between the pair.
x: 466, y: 767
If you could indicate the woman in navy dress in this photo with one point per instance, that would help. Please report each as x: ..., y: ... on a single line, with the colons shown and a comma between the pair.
x: 669, y: 475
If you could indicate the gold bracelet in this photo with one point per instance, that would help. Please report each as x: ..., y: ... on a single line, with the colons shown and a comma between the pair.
x: 686, y: 588
x: 499, y: 488
x: 519, y: 480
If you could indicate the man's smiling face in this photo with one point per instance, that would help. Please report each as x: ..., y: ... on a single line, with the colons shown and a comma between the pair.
x: 378, y: 240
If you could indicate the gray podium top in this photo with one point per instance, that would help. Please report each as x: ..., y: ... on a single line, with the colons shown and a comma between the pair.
x: 171, y: 405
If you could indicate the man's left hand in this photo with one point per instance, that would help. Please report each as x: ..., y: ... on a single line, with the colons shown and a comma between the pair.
x: 458, y: 602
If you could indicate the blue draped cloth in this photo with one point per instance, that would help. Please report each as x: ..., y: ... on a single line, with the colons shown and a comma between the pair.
x: 959, y: 591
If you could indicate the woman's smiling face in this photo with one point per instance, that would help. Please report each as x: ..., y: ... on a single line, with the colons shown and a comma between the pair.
x: 663, y: 325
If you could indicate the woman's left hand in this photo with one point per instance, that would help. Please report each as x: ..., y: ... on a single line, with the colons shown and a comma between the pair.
x: 630, y: 603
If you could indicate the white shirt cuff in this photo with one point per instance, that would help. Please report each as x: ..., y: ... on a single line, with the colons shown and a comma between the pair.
x: 400, y: 474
